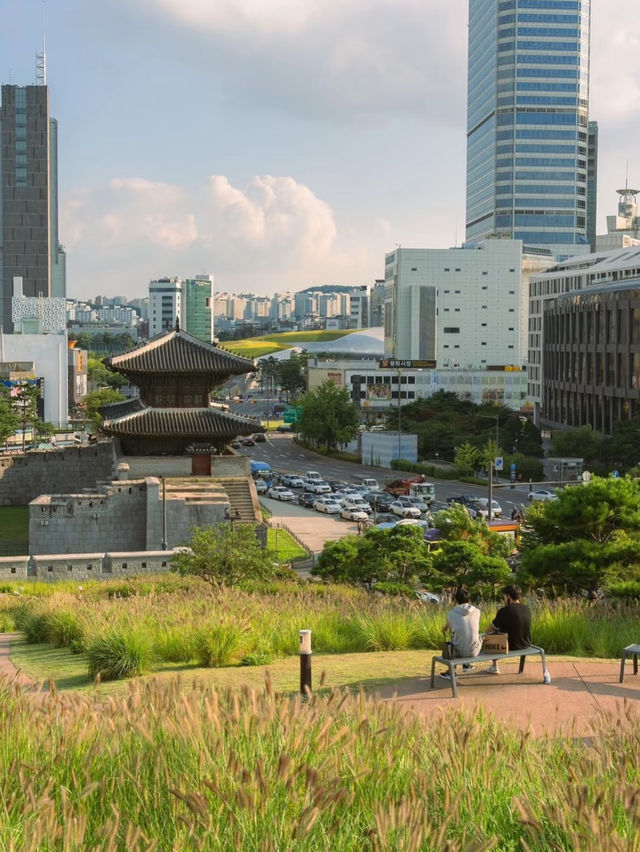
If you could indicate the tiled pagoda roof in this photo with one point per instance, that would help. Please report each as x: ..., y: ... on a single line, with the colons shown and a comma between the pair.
x: 136, y: 418
x: 178, y: 352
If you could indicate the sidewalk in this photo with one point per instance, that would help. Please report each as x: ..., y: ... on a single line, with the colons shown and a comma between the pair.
x: 579, y: 694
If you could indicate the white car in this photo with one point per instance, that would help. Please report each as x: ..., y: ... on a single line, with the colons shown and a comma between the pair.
x: 345, y: 492
x: 261, y: 486
x: 482, y: 506
x: 317, y: 486
x: 356, y: 503
x: 353, y: 514
x: 542, y: 496
x: 404, y: 511
x: 279, y: 492
x: 331, y: 507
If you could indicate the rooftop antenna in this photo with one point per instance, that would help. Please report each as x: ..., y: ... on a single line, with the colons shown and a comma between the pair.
x: 41, y: 58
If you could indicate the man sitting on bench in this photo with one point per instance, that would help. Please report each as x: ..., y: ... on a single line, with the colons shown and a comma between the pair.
x: 463, y: 622
x: 514, y: 619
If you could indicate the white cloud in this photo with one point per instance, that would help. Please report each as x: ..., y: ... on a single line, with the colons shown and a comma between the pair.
x: 274, y: 225
x: 343, y: 59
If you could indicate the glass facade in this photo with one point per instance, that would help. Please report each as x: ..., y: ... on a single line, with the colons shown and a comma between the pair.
x: 527, y: 122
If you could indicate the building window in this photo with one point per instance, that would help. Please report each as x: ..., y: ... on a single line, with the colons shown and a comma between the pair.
x: 451, y: 330
x: 123, y: 564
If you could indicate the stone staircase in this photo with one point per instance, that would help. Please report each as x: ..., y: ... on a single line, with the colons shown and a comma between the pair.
x: 243, y: 498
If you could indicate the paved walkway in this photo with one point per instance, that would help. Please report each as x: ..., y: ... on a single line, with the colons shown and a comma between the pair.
x: 579, y: 694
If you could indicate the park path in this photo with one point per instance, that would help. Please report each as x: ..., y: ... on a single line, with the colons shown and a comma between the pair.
x: 581, y: 693
x: 8, y: 670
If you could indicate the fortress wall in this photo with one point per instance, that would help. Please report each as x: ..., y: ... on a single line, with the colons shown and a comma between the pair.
x: 24, y: 476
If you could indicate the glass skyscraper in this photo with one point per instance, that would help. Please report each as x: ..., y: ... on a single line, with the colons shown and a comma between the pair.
x: 528, y: 123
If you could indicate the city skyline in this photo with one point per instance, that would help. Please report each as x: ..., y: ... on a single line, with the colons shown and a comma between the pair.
x: 276, y: 146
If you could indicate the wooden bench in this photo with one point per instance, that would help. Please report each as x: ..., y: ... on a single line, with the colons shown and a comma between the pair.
x: 523, y: 653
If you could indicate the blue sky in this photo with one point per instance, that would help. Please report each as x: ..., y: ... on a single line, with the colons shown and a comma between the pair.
x: 277, y: 144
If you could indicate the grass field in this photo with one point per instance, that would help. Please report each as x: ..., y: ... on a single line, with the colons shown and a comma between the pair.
x: 284, y: 545
x: 256, y: 347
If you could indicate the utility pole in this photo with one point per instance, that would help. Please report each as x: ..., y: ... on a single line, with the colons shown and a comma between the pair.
x: 399, y: 417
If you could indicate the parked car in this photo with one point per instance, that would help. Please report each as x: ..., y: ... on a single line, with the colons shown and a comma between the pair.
x: 468, y: 501
x: 306, y: 499
x: 353, y: 514
x: 248, y: 442
x: 292, y: 480
x: 419, y: 503
x: 284, y: 428
x: 331, y: 507
x: 236, y: 444
x: 542, y: 496
x: 346, y: 492
x: 356, y: 503
x: 317, y: 486
x: 260, y: 438
x: 279, y: 492
x: 482, y: 504
x: 404, y: 511
x: 261, y: 486
x: 336, y: 484
x: 379, y: 500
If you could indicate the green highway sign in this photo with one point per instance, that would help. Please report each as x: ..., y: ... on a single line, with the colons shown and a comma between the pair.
x: 405, y: 364
x: 290, y: 415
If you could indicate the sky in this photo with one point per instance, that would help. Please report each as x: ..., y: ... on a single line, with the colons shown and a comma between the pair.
x: 277, y: 144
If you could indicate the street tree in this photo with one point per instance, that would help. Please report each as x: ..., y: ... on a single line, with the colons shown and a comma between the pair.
x: 464, y: 564
x: 583, y: 443
x: 327, y: 416
x: 467, y: 459
x: 96, y: 399
x: 9, y: 419
x: 587, y: 537
x: 225, y: 555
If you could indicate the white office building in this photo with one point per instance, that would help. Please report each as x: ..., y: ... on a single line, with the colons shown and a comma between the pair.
x: 460, y: 307
x: 165, y: 304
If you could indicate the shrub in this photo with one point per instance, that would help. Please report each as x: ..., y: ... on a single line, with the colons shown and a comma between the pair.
x: 119, y: 654
x: 176, y: 644
x: 65, y: 630
x: 218, y: 644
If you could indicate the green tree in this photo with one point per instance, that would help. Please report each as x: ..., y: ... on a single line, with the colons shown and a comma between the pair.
x: 398, y: 554
x: 225, y: 555
x: 467, y: 459
x: 465, y: 564
x: 581, y: 443
x: 622, y: 449
x: 327, y: 416
x: 292, y: 372
x: 25, y: 402
x: 9, y: 418
x: 587, y: 537
x: 96, y: 399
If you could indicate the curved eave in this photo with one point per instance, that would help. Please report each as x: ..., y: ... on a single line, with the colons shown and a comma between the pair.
x: 194, y: 423
x: 178, y: 353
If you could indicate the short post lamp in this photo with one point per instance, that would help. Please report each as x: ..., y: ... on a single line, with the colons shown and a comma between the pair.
x: 305, y: 662
x: 164, y: 513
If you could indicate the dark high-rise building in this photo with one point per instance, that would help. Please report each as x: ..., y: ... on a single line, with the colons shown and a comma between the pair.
x: 527, y: 122
x: 592, y: 183
x: 29, y: 246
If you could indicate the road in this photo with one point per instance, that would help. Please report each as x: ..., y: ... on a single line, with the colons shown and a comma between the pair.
x: 285, y: 456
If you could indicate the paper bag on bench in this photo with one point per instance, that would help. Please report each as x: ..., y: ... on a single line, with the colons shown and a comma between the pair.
x: 495, y: 643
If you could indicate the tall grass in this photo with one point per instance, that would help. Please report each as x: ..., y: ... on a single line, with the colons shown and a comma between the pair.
x: 187, y: 621
x: 181, y: 766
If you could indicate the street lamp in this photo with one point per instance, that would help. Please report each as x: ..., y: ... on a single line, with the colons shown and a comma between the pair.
x: 164, y: 513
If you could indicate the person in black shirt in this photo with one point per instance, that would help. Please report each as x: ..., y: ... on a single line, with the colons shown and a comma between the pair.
x: 514, y: 619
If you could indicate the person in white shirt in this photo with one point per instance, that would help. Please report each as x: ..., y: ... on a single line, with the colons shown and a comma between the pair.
x: 463, y: 623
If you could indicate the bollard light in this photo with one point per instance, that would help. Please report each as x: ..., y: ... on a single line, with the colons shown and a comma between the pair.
x: 305, y: 662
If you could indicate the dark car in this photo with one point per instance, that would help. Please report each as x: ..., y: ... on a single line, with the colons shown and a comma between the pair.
x: 379, y: 500
x: 236, y: 444
x: 468, y: 501
x: 335, y: 484
x: 285, y: 428
x: 248, y: 442
x: 260, y: 438
x: 307, y: 499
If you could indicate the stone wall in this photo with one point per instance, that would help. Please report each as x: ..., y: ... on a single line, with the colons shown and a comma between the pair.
x: 84, y: 566
x: 124, y: 516
x: 25, y: 476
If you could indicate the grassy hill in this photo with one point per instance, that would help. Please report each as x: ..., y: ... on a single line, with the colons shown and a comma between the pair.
x: 255, y: 347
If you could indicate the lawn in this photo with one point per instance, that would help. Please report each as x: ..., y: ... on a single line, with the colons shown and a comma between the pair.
x: 284, y: 546
x: 256, y: 347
